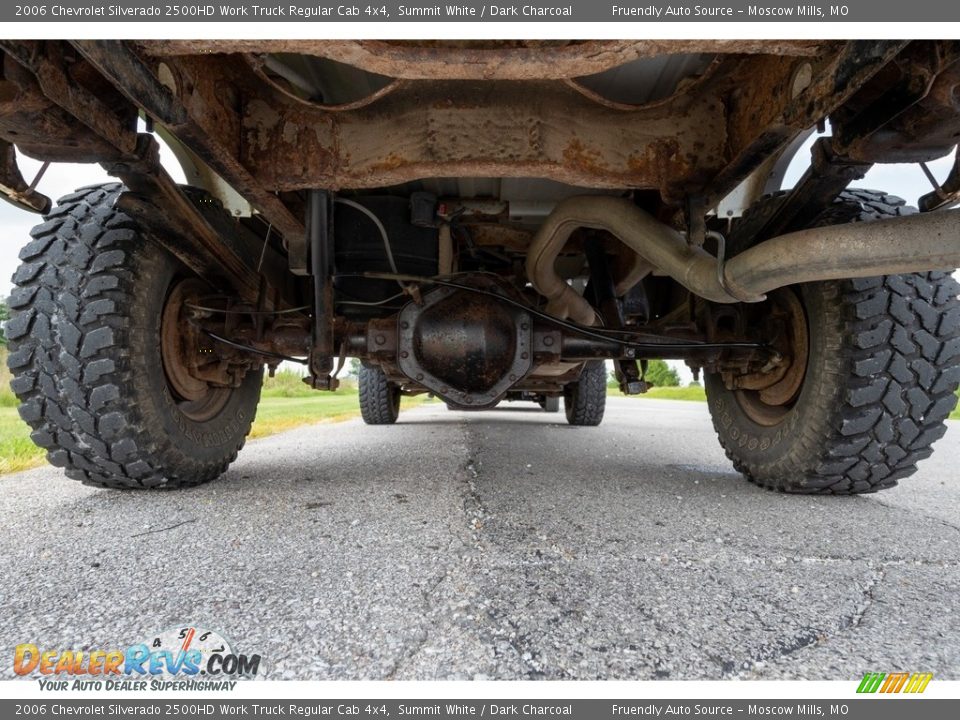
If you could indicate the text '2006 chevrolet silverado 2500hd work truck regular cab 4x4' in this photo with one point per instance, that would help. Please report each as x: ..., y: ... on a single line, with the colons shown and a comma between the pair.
x: 480, y: 221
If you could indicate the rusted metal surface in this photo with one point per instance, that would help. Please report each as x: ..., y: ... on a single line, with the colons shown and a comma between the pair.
x: 188, y: 362
x: 709, y: 134
x: 783, y: 326
x: 510, y: 113
x: 39, y: 126
x: 493, y: 129
x: 483, y: 60
x: 202, y: 113
x: 782, y: 97
x: 467, y: 348
x: 154, y: 199
x: 53, y: 71
x: 697, y: 143
x: 911, y: 118
x: 12, y: 185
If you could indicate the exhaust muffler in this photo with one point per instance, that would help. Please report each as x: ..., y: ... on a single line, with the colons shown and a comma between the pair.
x: 914, y: 243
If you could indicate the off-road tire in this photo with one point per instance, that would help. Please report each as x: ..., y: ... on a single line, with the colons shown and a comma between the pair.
x: 881, y: 375
x: 550, y: 403
x: 84, y: 340
x: 379, y: 398
x: 585, y: 400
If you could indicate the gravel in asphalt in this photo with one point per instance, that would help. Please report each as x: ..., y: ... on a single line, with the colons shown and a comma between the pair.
x: 502, y: 545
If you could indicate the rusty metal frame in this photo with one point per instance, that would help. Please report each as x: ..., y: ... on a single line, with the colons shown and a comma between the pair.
x: 33, y: 86
x: 708, y: 136
x: 211, y: 134
x: 522, y: 118
x: 14, y: 188
x: 153, y: 198
x: 484, y: 60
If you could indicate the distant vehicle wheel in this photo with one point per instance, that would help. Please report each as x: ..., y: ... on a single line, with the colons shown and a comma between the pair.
x: 550, y: 403
x: 379, y: 398
x: 873, y: 365
x: 101, y: 363
x: 585, y: 400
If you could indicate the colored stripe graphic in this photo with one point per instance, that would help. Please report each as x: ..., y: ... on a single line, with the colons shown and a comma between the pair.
x: 892, y: 682
x: 918, y: 682
x: 870, y: 683
x: 913, y: 683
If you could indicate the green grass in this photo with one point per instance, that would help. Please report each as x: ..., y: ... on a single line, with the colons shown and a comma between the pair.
x: 17, y: 451
x: 696, y: 393
x: 285, y: 403
x: 277, y: 414
x: 668, y: 393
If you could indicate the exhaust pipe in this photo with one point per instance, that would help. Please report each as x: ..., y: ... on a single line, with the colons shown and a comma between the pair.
x: 914, y: 243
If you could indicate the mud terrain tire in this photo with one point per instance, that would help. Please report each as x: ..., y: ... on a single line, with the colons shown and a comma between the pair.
x: 585, y: 400
x: 84, y: 339
x: 550, y: 403
x: 379, y: 398
x: 882, y: 370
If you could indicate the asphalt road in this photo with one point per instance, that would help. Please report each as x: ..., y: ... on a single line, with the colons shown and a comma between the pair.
x: 497, y: 545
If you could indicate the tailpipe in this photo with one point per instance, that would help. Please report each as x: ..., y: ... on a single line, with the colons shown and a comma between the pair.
x: 914, y: 243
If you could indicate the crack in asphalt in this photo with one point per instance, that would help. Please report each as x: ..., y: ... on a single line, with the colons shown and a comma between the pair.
x: 914, y: 511
x: 473, y: 507
x: 854, y: 621
x: 475, y: 513
x: 412, y: 648
x: 812, y: 637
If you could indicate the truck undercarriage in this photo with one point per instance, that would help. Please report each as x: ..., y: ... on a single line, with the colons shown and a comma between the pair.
x: 483, y: 220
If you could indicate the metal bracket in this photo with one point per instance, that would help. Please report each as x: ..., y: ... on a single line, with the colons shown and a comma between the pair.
x: 828, y: 176
x: 943, y: 196
x: 722, y: 270
x: 14, y: 188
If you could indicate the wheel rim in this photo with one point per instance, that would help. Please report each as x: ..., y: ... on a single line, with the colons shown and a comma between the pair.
x: 180, y: 352
x: 768, y: 397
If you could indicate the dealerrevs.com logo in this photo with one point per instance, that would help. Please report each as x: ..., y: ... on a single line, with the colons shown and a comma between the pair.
x: 183, y: 658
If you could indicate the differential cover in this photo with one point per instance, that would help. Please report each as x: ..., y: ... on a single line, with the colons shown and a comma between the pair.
x: 467, y: 348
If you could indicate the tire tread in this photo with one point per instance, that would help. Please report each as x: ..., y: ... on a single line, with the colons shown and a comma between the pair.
x: 895, y: 372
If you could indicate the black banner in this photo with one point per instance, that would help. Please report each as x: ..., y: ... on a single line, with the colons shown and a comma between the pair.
x: 879, y: 708
x: 472, y: 11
